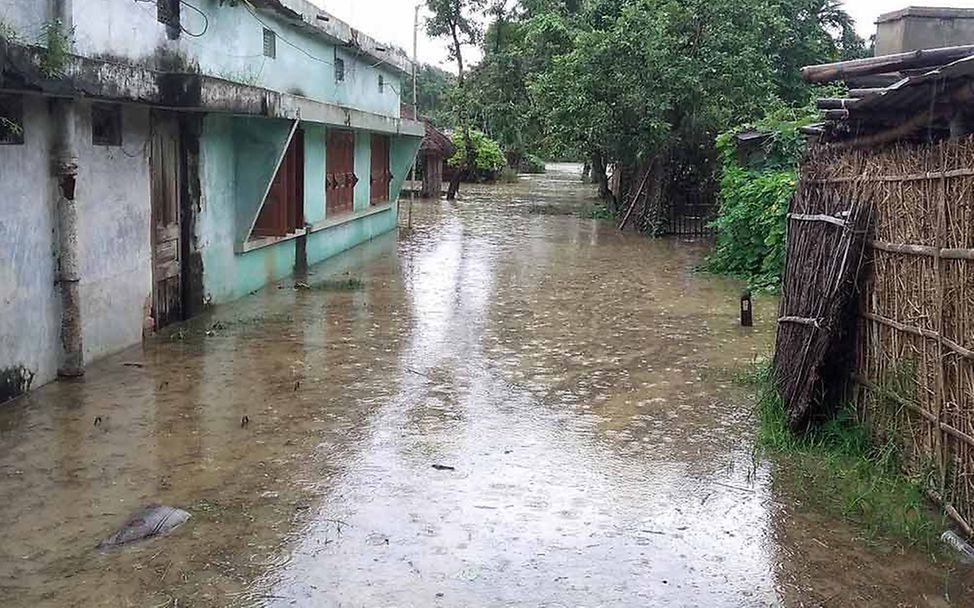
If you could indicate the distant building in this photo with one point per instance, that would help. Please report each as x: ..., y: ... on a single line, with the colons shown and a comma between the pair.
x: 165, y: 155
x: 922, y: 27
x: 436, y: 150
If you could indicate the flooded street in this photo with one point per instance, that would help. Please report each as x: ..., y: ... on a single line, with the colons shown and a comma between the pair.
x: 505, y: 406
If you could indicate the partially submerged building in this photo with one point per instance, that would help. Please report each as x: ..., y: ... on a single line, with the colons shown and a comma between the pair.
x: 159, y: 156
x: 878, y: 300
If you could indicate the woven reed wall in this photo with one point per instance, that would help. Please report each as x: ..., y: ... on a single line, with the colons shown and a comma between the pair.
x: 915, y: 370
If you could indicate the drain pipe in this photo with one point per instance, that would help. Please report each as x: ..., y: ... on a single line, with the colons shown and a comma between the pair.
x: 65, y: 173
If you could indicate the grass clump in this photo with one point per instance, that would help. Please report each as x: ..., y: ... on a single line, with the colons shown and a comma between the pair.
x: 343, y: 284
x: 598, y: 211
x: 841, y: 466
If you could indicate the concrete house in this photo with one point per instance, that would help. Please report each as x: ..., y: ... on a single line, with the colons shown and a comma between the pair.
x: 157, y: 156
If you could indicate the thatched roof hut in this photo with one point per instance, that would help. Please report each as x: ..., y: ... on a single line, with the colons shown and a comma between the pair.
x: 435, y: 150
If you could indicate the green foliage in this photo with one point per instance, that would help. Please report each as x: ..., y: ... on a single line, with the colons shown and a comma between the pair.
x: 841, y: 468
x: 433, y: 87
x: 598, y: 212
x: 488, y: 158
x: 755, y: 191
x: 8, y: 33
x: 531, y: 163
x: 55, y: 57
x: 507, y: 175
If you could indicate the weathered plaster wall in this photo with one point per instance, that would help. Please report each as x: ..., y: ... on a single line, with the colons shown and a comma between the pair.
x: 113, y: 235
x: 25, y: 17
x: 29, y: 307
x: 114, y: 214
x: 231, y: 47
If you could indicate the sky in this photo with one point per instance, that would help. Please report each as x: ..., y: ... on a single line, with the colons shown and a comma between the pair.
x: 391, y: 21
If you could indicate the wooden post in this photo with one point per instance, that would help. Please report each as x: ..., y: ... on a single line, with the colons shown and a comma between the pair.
x: 747, y: 318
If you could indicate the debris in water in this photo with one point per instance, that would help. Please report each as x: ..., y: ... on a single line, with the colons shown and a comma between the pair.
x: 97, y: 420
x: 964, y: 550
x: 302, y: 286
x: 244, y: 421
x: 444, y: 467
x: 133, y: 364
x: 154, y: 520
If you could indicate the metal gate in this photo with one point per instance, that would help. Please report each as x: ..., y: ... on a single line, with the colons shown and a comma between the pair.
x: 692, y: 216
x: 165, y: 178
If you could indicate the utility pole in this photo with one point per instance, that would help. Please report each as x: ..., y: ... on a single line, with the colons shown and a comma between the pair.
x: 412, y: 176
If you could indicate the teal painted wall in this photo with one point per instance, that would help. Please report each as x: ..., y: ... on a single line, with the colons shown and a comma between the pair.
x: 226, y: 274
x: 235, y: 154
x: 402, y: 151
x: 363, y: 169
x: 314, y: 173
x: 323, y: 244
x: 258, y: 144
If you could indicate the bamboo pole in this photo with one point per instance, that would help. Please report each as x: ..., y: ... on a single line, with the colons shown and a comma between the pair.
x: 911, y: 60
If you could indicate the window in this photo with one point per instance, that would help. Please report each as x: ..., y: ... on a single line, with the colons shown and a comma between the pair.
x: 106, y: 124
x: 339, y: 69
x: 283, y: 210
x: 270, y: 43
x: 11, y: 120
x: 382, y: 84
x: 167, y: 11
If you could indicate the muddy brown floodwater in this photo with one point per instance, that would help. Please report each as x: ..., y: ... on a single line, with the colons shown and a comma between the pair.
x: 572, y: 383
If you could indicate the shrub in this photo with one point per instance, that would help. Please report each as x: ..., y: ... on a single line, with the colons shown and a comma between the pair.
x: 754, y: 196
x: 531, y: 164
x: 489, y: 158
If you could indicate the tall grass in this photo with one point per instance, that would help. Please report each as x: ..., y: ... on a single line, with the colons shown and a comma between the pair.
x: 841, y: 466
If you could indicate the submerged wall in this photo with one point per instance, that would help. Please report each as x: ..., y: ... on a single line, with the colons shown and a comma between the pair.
x: 235, y: 156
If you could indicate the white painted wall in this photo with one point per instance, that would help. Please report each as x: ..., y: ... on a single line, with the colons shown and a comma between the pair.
x: 29, y: 306
x: 114, y: 240
x: 25, y: 17
x: 114, y: 233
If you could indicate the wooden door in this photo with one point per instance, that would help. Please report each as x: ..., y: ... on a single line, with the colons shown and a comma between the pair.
x: 283, y: 209
x: 340, y: 178
x: 167, y: 301
x: 381, y: 177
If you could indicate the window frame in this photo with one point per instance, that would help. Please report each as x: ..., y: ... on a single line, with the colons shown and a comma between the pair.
x: 269, y: 38
x: 12, y: 123
x: 106, y: 114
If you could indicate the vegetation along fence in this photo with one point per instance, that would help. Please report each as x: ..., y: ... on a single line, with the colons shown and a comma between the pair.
x: 914, y: 373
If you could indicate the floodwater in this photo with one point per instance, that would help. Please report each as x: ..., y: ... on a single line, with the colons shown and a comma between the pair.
x: 571, y: 383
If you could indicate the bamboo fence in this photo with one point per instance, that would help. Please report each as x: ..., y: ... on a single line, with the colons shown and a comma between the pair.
x: 914, y: 367
x: 828, y: 227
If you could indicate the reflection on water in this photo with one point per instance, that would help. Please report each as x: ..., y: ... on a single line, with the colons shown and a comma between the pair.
x: 575, y: 379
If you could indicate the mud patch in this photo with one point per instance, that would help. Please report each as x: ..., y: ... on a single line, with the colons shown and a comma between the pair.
x: 14, y: 382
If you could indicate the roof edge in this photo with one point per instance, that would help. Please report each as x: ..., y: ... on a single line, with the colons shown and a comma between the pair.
x: 927, y: 12
x: 322, y: 23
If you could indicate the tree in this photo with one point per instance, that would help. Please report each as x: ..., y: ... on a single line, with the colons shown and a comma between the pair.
x: 433, y: 89
x: 651, y: 82
x: 455, y: 20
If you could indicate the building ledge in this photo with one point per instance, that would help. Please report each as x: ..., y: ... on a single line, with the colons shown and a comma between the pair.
x: 266, y: 241
x: 20, y: 70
